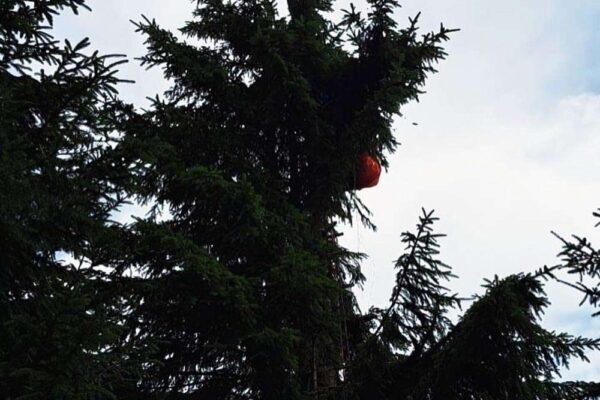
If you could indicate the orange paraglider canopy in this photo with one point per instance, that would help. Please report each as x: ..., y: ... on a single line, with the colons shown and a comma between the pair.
x: 368, y: 172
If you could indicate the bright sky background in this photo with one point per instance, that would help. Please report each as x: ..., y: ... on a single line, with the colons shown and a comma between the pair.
x: 506, y: 149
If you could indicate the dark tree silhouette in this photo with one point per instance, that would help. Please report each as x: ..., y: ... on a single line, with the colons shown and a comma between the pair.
x: 58, y: 319
x: 241, y: 290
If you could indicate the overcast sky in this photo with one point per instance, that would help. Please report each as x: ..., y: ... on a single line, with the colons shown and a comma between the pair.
x: 507, y: 145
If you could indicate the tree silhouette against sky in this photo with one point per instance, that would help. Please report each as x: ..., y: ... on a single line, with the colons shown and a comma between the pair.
x: 242, y: 290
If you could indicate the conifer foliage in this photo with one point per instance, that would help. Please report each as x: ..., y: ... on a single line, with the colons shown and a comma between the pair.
x: 234, y: 285
x: 57, y: 189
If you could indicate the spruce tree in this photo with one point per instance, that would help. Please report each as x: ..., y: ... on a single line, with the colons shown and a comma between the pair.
x: 58, y: 318
x: 241, y: 291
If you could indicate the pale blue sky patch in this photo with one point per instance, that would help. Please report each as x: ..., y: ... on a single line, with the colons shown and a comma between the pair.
x: 577, y: 28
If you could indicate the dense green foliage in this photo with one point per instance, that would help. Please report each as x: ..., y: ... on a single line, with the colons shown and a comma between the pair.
x: 57, y: 183
x: 239, y: 289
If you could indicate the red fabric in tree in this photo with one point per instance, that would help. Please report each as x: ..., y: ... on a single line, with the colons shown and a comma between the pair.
x: 368, y: 172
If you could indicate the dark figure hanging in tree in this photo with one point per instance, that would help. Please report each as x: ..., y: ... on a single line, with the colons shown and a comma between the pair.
x: 243, y: 291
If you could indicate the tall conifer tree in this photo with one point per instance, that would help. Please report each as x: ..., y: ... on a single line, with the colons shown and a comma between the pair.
x: 241, y: 291
x: 58, y: 318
